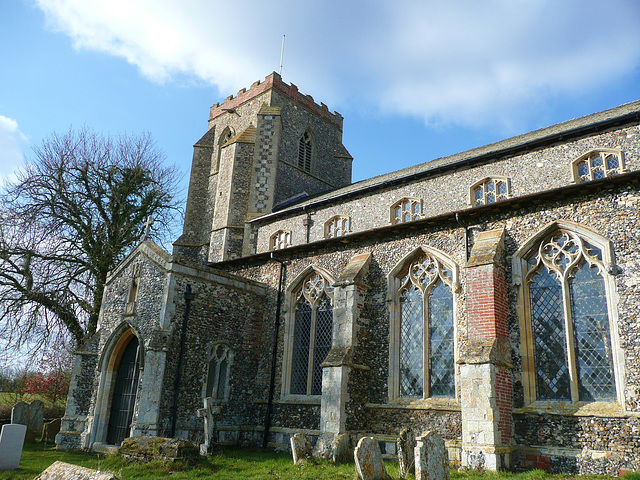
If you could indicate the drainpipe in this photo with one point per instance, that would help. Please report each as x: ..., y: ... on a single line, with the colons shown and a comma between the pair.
x: 188, y: 297
x: 306, y: 222
x: 466, y: 236
x: 272, y: 384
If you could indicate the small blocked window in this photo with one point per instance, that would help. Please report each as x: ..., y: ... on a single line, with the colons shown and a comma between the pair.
x: 225, y: 136
x: 279, y: 240
x: 305, y: 151
x: 597, y: 164
x: 406, y: 210
x: 217, y: 384
x: 337, y: 226
x: 489, y: 190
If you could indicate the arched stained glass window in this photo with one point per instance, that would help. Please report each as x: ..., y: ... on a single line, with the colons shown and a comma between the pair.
x: 597, y: 164
x: 424, y: 326
x: 490, y: 190
x: 312, y: 334
x: 566, y: 305
x: 406, y: 210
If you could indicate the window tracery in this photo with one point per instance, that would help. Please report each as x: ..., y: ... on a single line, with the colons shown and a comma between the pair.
x: 310, y: 333
x: 337, y: 226
x: 406, y: 210
x: 568, y: 329
x: 597, y: 164
x: 279, y: 240
x: 489, y: 190
x: 422, y: 363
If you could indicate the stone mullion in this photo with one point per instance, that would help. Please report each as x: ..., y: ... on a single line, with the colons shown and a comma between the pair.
x: 568, y: 325
x: 426, y: 378
x: 312, y: 345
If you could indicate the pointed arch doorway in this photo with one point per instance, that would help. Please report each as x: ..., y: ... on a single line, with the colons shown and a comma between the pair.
x: 124, y: 393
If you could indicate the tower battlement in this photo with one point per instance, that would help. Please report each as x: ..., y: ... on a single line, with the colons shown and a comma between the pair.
x: 274, y: 80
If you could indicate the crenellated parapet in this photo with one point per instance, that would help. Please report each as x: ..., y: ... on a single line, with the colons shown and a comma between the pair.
x: 274, y: 80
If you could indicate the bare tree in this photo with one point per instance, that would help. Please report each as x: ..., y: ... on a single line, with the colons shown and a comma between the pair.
x: 72, y: 214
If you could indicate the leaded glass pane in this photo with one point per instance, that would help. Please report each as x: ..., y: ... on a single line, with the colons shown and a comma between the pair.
x: 583, y: 170
x: 597, y: 161
x: 222, y: 379
x: 411, y: 342
x: 613, y: 163
x: 547, y: 322
x: 490, y: 187
x: 441, y: 358
x: 491, y: 198
x: 300, y: 358
x: 324, y: 336
x: 591, y: 335
x: 598, y: 173
x: 502, y: 188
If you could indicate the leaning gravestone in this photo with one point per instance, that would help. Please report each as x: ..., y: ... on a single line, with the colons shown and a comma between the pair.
x: 300, y: 447
x: 11, y: 443
x: 50, y: 430
x: 66, y: 471
x: 369, y: 464
x: 31, y: 415
x: 432, y: 460
x: 406, y: 452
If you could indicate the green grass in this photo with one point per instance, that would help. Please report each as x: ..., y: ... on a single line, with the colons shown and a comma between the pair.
x: 236, y: 463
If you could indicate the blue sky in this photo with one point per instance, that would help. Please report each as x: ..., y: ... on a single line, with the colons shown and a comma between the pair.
x: 414, y: 80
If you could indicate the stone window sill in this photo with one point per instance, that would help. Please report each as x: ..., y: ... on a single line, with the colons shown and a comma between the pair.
x: 443, y: 404
x: 299, y: 400
x: 578, y: 409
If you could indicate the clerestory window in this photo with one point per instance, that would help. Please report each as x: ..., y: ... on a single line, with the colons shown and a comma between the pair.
x: 337, y: 226
x: 568, y: 332
x: 309, y: 333
x: 406, y: 210
x: 279, y: 240
x: 489, y: 190
x: 597, y: 164
x: 218, y: 367
x: 305, y: 150
x: 422, y: 363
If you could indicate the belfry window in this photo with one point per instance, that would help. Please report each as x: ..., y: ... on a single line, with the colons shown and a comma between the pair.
x: 305, y: 150
x: 337, y: 226
x: 406, y: 210
x: 568, y: 331
x: 217, y: 384
x: 423, y: 327
x: 489, y: 190
x: 310, y: 333
x: 597, y: 164
x: 279, y: 240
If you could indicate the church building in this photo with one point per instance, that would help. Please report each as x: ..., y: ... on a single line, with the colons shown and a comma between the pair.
x: 492, y: 297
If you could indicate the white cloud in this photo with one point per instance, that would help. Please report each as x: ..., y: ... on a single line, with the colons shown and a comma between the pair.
x: 460, y: 61
x: 11, y: 143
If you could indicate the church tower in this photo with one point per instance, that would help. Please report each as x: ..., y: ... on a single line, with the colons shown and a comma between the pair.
x: 266, y: 145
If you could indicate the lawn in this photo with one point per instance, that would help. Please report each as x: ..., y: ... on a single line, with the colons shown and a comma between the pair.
x: 235, y: 463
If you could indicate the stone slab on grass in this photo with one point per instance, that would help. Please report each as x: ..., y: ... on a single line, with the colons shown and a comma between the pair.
x: 368, y: 458
x: 66, y: 471
x: 148, y: 447
x: 11, y: 443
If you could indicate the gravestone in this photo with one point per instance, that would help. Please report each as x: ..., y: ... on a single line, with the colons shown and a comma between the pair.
x: 300, y: 447
x: 341, y: 448
x: 11, y: 443
x: 207, y: 413
x: 50, y: 430
x: 406, y: 452
x: 31, y: 415
x: 431, y: 458
x: 66, y: 471
x: 369, y: 464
